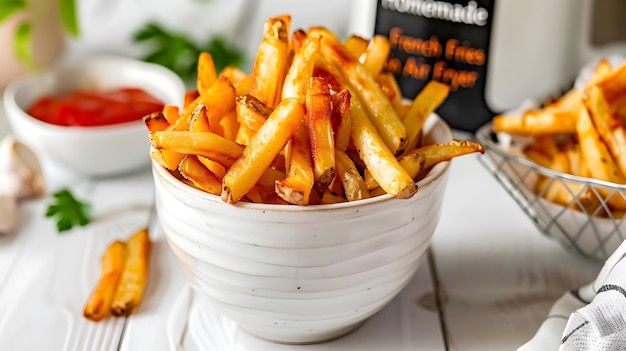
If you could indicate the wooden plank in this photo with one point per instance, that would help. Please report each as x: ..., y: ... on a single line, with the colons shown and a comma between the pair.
x: 499, y: 276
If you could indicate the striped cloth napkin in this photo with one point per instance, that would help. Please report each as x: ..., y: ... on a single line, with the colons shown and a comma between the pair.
x: 592, y: 317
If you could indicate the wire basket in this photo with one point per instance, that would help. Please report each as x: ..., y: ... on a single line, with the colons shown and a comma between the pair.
x: 592, y: 232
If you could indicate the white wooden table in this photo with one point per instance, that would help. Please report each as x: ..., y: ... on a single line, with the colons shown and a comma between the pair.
x: 487, y: 284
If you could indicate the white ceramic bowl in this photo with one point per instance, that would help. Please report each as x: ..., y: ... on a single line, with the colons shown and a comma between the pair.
x: 300, y: 274
x: 96, y: 151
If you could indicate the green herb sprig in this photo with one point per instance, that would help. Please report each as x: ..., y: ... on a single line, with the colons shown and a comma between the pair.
x: 178, y: 53
x: 68, y: 211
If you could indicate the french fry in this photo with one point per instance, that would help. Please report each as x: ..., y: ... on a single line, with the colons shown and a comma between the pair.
x: 134, y: 278
x: 609, y: 125
x: 353, y: 184
x: 251, y: 112
x: 318, y: 105
x: 207, y: 144
x: 356, y: 45
x: 156, y: 121
x: 376, y: 55
x: 171, y: 113
x: 298, y: 37
x: 112, y: 265
x: 301, y: 69
x: 202, y: 178
x: 244, y: 86
x: 189, y: 98
x: 378, y: 107
x: 296, y: 187
x: 390, y: 86
x: 207, y: 74
x: 341, y: 119
x: 264, y: 146
x: 270, y: 65
x: 199, y: 121
x: 233, y: 74
x: 219, y: 100
x: 598, y: 158
x: 230, y: 125
x: 424, y: 103
x: 420, y: 159
x: 537, y: 122
x: 380, y: 162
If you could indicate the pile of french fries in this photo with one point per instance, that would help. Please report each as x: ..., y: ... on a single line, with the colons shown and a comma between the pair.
x: 316, y: 121
x: 582, y: 133
x: 124, y: 277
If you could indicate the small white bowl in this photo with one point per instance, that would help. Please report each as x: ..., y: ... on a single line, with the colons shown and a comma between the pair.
x: 301, y: 274
x: 94, y: 151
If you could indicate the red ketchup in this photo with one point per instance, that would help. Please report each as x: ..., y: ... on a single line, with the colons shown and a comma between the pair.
x: 88, y: 108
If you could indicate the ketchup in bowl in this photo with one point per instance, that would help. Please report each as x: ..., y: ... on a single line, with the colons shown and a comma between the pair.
x: 88, y: 108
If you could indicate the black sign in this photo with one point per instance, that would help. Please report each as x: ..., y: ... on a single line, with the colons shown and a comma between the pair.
x: 447, y: 41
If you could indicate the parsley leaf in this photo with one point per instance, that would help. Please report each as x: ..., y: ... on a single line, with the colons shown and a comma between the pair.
x: 178, y: 53
x: 68, y: 210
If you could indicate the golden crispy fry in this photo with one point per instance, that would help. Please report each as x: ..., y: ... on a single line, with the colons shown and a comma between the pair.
x: 233, y: 74
x: 298, y: 37
x: 155, y: 121
x: 270, y: 65
x: 112, y: 265
x: 353, y: 184
x: 613, y: 84
x: 301, y: 69
x: 537, y: 122
x: 219, y: 100
x: 244, y: 135
x: 380, y: 162
x: 418, y: 160
x: 390, y: 86
x: 171, y: 113
x: 132, y: 283
x: 244, y: 86
x: 426, y: 102
x: 609, y: 125
x: 251, y: 112
x: 376, y: 55
x: 207, y: 74
x: 318, y: 108
x: 199, y: 121
x: 341, y: 119
x: 370, y: 182
x: 330, y: 198
x: 598, y: 158
x: 207, y: 144
x: 230, y: 125
x: 257, y: 156
x: 167, y: 158
x: 538, y: 156
x: 356, y: 45
x: 296, y: 187
x: 189, y: 98
x: 200, y: 176
x: 378, y: 107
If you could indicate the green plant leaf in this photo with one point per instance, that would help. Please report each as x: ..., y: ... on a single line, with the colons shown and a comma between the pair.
x: 22, y: 46
x: 178, y: 53
x: 9, y: 7
x: 68, y: 211
x: 69, y: 17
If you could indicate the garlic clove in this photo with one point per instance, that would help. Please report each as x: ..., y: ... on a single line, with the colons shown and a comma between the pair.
x: 21, y: 174
x: 8, y: 214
